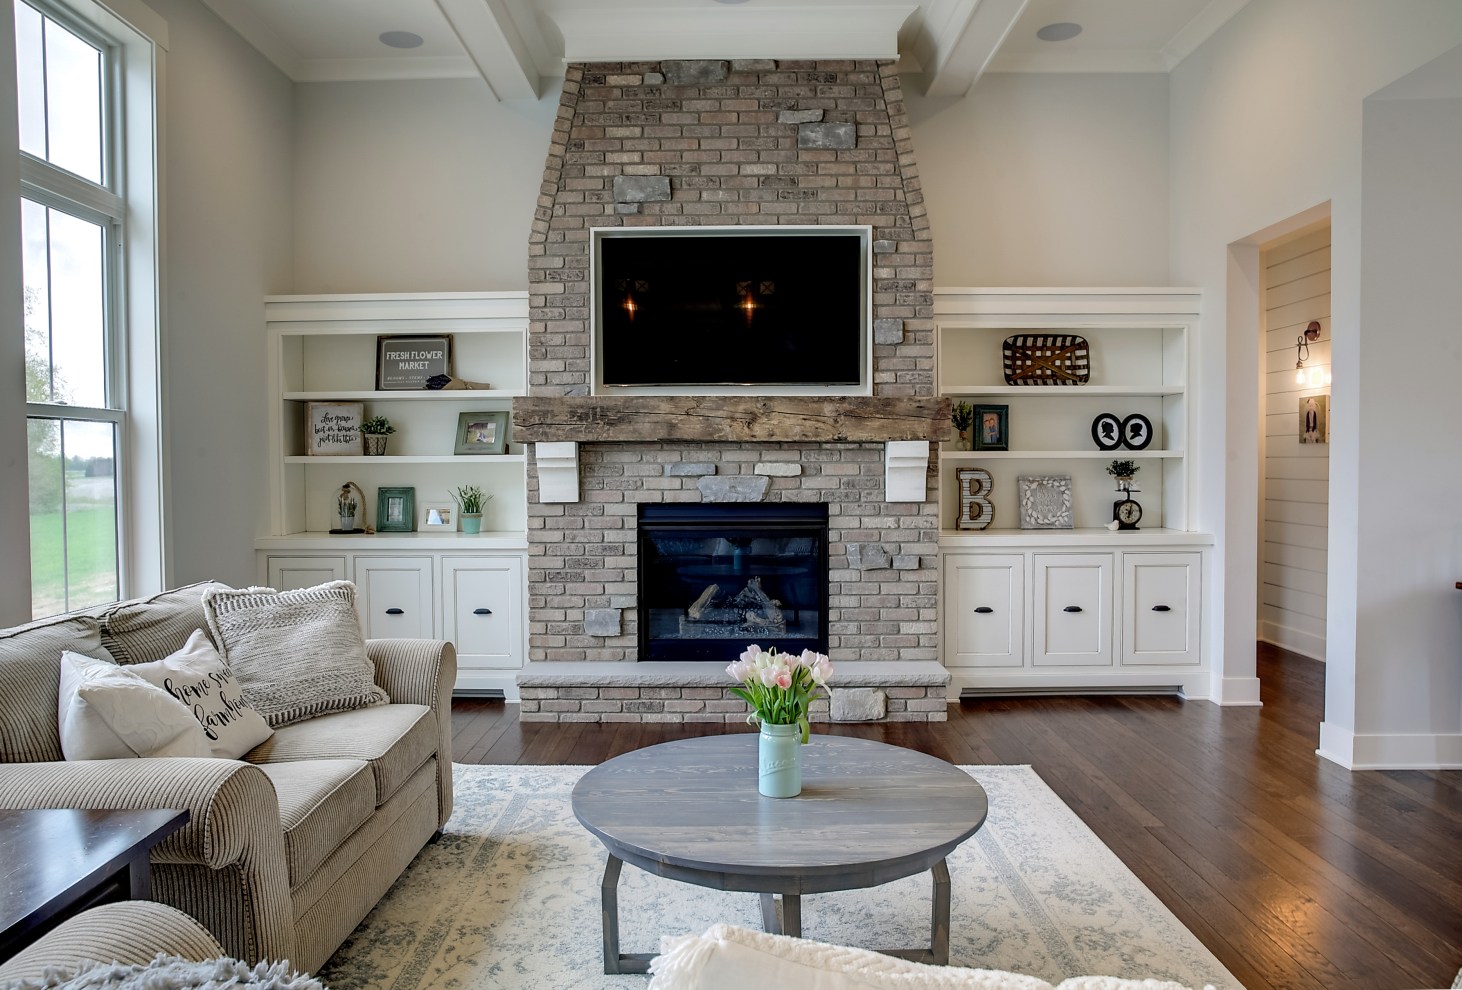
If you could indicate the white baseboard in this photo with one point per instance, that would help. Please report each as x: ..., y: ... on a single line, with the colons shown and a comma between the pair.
x: 1393, y: 751
x: 1235, y: 691
x: 1294, y: 640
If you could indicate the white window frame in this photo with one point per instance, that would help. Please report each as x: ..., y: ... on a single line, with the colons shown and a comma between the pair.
x: 129, y: 209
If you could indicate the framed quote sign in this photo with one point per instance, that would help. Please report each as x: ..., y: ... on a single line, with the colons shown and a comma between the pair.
x: 334, y: 428
x: 406, y: 362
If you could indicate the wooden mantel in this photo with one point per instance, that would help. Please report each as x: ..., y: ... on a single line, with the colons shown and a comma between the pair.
x: 720, y: 418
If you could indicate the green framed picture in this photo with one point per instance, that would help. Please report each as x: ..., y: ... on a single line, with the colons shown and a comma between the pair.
x: 396, y: 510
x: 482, y: 433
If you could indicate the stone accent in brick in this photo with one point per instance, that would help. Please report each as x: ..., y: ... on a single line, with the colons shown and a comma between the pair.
x: 888, y: 331
x: 778, y: 469
x: 906, y: 562
x: 799, y: 116
x: 827, y: 135
x: 602, y: 621
x: 695, y: 72
x: 626, y: 209
x: 641, y: 188
x: 867, y: 556
x: 654, y: 78
x: 683, y: 469
x: 753, y: 65
x: 857, y: 704
x: 733, y: 488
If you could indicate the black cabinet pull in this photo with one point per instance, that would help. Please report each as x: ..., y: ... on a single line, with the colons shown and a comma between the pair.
x: 984, y: 610
x: 1161, y: 608
x: 482, y: 611
x: 394, y: 611
x: 1072, y: 608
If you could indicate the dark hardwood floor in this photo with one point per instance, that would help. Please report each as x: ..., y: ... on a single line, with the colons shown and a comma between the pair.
x: 1295, y: 872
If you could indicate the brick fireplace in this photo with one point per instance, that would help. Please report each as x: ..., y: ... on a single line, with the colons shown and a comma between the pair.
x: 727, y: 143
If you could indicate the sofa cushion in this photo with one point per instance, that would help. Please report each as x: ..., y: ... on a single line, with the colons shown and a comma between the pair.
x: 394, y: 739
x: 321, y: 802
x: 196, y: 677
x: 30, y: 683
x: 299, y: 653
x: 107, y: 712
x: 147, y: 629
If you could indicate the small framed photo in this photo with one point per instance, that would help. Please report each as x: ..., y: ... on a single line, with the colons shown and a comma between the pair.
x: 1106, y: 430
x: 992, y: 427
x: 441, y: 516
x: 407, y: 362
x: 1314, y: 419
x: 396, y: 510
x: 334, y: 428
x: 1137, y: 432
x: 482, y: 433
x: 1045, y: 501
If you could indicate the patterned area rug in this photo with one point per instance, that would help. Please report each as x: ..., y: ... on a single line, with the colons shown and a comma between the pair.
x: 510, y: 898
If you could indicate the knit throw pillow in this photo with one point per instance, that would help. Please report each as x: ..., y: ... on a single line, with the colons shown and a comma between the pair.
x: 297, y: 653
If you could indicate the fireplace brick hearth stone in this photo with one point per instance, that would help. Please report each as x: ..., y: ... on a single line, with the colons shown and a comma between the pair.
x: 715, y: 131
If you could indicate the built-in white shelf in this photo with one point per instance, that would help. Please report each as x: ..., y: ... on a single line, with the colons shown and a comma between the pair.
x: 1098, y: 537
x: 382, y: 460
x: 1064, y: 391
x: 404, y: 395
x: 1107, y: 455
x: 364, y: 542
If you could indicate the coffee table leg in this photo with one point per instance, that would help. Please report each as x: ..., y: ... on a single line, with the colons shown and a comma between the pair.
x: 614, y: 960
x: 770, y: 923
x: 939, y: 923
x: 790, y: 920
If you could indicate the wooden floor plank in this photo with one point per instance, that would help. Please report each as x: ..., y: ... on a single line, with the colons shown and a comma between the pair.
x: 1296, y: 873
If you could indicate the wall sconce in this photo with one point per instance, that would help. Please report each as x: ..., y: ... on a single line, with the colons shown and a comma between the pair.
x: 1302, y: 354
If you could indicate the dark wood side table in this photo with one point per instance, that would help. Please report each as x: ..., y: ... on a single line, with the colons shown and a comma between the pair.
x: 55, y: 863
x: 868, y: 813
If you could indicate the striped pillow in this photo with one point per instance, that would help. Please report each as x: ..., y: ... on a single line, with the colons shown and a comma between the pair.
x: 30, y: 684
x: 297, y: 653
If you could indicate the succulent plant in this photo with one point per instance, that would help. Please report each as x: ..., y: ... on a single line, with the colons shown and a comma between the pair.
x: 377, y: 426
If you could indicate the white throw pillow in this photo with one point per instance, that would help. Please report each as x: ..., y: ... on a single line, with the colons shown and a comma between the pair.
x: 198, y: 679
x: 106, y: 712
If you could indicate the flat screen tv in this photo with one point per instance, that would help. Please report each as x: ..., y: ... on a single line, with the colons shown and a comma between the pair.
x: 744, y: 309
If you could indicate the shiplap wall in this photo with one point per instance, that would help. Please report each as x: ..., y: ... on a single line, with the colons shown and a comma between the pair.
x: 1294, y: 533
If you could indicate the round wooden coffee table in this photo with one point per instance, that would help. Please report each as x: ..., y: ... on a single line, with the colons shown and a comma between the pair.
x: 868, y: 813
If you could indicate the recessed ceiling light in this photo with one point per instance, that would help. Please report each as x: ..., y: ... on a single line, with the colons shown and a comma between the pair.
x: 401, y: 39
x: 1060, y: 31
x: 730, y: 1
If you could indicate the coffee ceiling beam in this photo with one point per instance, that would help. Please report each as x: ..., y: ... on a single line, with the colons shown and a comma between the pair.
x: 719, y: 418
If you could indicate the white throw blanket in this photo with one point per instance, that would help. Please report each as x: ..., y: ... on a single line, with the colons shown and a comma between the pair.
x: 174, y: 973
x: 727, y: 957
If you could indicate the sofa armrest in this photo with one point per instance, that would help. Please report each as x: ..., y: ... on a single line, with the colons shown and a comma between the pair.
x: 131, y: 933
x: 422, y: 672
x: 233, y: 811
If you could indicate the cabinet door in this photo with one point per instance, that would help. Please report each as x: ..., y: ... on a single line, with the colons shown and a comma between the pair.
x: 394, y: 596
x: 984, y: 614
x: 482, y: 610
x: 1073, y: 610
x: 288, y: 573
x: 1161, y: 610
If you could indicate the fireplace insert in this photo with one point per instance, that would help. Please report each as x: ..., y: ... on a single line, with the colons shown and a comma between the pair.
x: 714, y: 578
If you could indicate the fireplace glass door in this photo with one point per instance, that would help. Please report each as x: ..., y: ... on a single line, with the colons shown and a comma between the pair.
x: 714, y: 579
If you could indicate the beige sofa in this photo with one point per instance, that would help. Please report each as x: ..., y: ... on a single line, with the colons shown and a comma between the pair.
x: 286, y: 850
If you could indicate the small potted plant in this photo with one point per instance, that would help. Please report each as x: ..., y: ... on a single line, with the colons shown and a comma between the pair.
x: 374, y: 431
x: 1123, y: 471
x: 346, y: 505
x: 963, y: 417
x: 470, y: 499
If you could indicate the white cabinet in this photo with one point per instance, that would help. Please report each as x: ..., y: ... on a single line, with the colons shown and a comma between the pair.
x: 287, y: 573
x: 1031, y: 614
x: 394, y: 596
x: 482, y: 612
x: 1161, y: 610
x: 984, y: 610
x: 472, y: 598
x: 1073, y: 610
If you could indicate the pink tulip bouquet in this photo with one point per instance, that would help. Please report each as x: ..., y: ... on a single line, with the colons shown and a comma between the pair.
x: 779, y: 686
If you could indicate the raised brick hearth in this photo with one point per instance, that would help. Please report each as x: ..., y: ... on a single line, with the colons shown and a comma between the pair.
x: 720, y: 143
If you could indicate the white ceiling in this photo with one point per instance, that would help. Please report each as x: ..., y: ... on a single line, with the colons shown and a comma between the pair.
x: 515, y: 45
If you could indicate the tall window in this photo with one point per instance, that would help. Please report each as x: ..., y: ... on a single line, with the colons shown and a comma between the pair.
x: 79, y: 320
